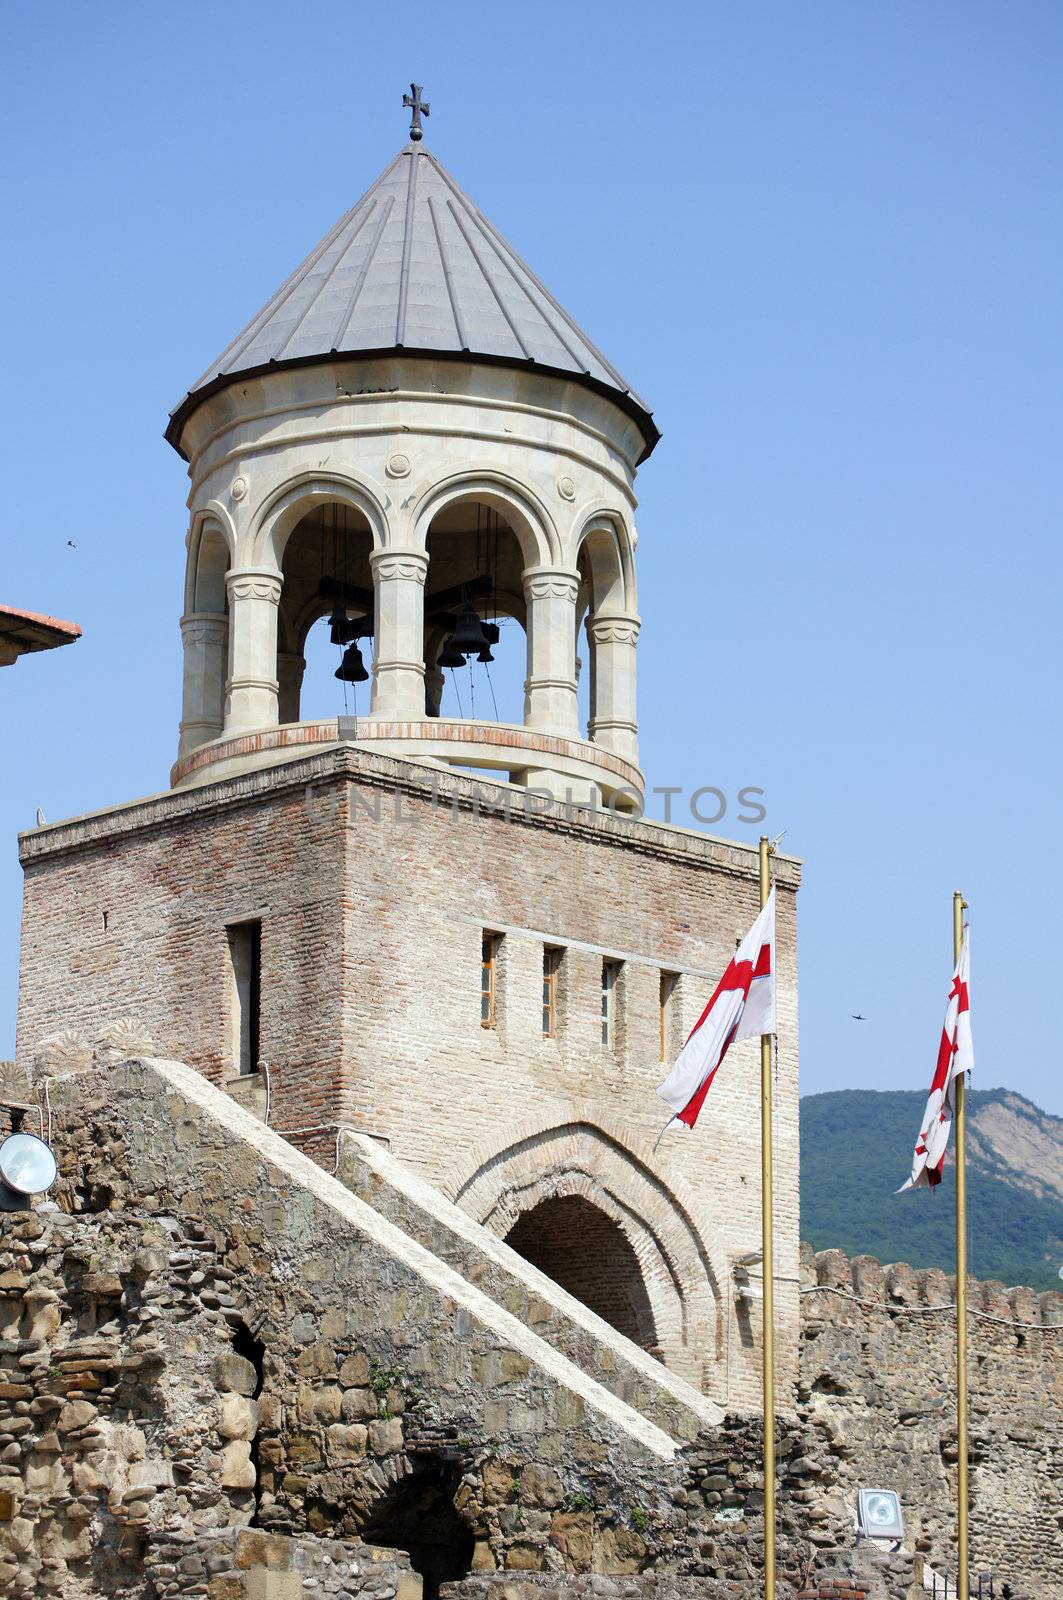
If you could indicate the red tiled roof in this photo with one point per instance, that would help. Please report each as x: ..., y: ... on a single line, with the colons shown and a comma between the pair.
x: 24, y: 631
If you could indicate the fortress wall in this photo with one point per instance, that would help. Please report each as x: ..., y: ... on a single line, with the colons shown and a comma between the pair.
x: 877, y: 1379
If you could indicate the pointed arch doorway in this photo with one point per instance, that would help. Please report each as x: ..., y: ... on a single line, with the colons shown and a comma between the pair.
x: 587, y: 1253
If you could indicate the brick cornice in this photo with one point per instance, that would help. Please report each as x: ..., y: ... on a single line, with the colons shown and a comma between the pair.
x: 342, y: 764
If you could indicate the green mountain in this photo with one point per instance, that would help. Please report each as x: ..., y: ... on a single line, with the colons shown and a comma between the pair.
x: 856, y: 1147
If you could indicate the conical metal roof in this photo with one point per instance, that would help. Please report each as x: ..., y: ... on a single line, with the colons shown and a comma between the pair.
x: 415, y: 267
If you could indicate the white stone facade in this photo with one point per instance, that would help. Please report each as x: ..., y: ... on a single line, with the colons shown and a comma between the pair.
x: 396, y: 444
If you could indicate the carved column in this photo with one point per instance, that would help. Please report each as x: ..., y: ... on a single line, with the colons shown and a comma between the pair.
x: 550, y: 703
x: 614, y: 721
x: 398, y: 662
x: 251, y: 692
x: 205, y: 637
x: 290, y: 669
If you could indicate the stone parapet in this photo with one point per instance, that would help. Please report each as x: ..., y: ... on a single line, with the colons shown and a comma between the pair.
x: 898, y: 1288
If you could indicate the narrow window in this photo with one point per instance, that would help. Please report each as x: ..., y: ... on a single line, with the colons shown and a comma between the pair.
x: 245, y: 957
x: 488, y: 969
x: 551, y: 966
x: 609, y: 974
x: 667, y: 994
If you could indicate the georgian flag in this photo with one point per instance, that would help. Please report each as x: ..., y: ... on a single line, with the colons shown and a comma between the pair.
x: 955, y: 1055
x: 742, y: 1006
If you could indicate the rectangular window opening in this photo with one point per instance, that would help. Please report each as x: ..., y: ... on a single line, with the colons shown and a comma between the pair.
x: 245, y: 959
x: 668, y: 982
x: 488, y: 978
x: 610, y: 971
x: 551, y: 968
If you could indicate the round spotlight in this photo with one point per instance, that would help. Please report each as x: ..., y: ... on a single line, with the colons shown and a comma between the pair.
x: 27, y: 1165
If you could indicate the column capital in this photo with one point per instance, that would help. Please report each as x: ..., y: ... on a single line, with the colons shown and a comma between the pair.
x: 203, y: 627
x: 391, y: 565
x: 254, y: 583
x: 550, y: 583
x: 613, y: 630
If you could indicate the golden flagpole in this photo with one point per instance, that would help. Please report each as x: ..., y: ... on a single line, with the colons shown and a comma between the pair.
x: 768, y: 1258
x: 960, y: 1092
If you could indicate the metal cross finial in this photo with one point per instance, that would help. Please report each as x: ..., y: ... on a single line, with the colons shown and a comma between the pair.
x: 419, y: 107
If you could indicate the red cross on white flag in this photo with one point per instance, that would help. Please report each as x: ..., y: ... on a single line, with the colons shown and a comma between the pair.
x: 955, y: 1055
x: 742, y: 1006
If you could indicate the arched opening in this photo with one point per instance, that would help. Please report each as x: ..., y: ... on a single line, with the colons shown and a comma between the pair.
x: 607, y: 686
x: 588, y: 1254
x: 326, y: 612
x: 418, y: 1516
x: 475, y: 563
x: 205, y: 635
x: 679, y: 1257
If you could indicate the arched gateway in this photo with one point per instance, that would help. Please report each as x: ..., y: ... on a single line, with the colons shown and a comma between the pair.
x: 580, y: 1204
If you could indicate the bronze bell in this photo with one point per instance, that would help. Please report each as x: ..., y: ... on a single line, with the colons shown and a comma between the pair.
x: 352, y: 668
x: 449, y: 656
x: 469, y: 636
x: 492, y: 634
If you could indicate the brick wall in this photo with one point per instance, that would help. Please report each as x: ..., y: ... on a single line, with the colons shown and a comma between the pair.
x: 586, y: 1253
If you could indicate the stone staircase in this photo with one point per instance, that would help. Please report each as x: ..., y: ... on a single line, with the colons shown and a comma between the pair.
x: 482, y: 1258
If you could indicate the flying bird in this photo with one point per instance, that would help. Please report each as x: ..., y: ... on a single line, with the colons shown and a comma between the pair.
x: 71, y: 543
x: 856, y: 1016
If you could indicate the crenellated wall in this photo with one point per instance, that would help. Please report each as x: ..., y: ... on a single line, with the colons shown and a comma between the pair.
x: 877, y: 1382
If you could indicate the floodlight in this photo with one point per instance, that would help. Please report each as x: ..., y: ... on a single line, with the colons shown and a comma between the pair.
x: 27, y: 1165
x: 879, y: 1515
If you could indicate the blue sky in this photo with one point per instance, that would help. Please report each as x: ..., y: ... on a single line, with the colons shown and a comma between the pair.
x: 824, y: 240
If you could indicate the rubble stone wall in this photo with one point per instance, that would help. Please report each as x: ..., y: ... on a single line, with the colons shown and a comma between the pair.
x: 212, y: 1334
x: 245, y: 1564
x: 878, y: 1388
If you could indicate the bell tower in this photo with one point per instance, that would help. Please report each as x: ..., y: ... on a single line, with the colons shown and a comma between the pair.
x: 414, y: 451
x: 413, y: 441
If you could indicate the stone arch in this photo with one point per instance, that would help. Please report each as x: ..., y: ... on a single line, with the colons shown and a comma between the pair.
x: 523, y: 511
x: 589, y: 1254
x: 211, y: 542
x: 682, y: 1271
x: 277, y: 517
x: 296, y: 627
x: 600, y: 557
x: 417, y: 1514
x: 607, y: 589
x: 205, y: 628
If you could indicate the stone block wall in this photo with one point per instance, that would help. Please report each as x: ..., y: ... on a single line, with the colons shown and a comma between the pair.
x: 878, y: 1389
x: 110, y: 1418
x: 245, y: 1564
x: 210, y: 1335
x: 442, y: 1227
